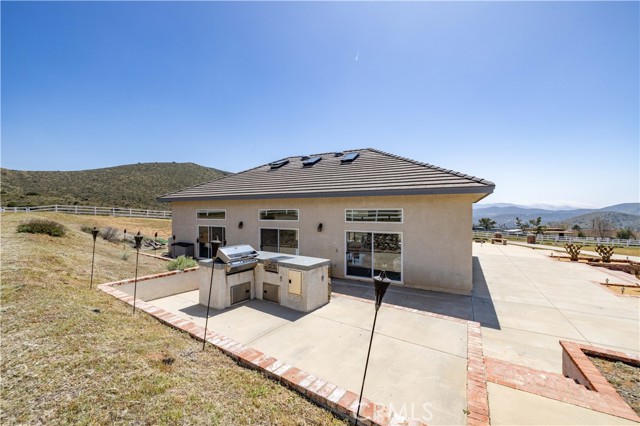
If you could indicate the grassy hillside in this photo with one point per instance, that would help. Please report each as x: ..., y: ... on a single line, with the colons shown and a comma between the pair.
x: 617, y: 220
x: 70, y: 355
x: 133, y: 185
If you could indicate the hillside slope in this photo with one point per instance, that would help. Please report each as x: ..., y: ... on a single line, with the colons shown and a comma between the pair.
x: 620, y: 215
x: 133, y: 185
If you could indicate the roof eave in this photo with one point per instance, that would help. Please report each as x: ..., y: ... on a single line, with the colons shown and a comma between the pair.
x: 486, y: 189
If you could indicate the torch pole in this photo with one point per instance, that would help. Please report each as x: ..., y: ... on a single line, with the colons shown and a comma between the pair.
x: 94, y: 233
x: 380, y: 284
x: 206, y: 321
x: 135, y: 281
x: 215, y: 244
x: 138, y: 240
x: 366, y: 365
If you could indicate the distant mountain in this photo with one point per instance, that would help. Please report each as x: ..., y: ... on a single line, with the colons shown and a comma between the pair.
x: 133, y: 185
x: 617, y: 220
x: 621, y: 215
x: 628, y: 208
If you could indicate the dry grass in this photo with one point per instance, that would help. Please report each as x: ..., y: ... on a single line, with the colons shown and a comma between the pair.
x: 74, y: 355
x: 623, y: 377
x: 627, y: 290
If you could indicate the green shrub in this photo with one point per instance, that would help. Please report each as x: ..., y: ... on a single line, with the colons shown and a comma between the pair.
x: 181, y: 263
x: 625, y: 234
x: 110, y: 234
x: 41, y: 226
x: 86, y: 229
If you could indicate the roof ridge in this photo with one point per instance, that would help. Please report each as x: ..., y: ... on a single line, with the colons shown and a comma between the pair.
x: 431, y: 166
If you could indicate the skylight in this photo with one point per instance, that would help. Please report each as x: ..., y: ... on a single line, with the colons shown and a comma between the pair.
x: 349, y: 157
x: 311, y: 161
x: 278, y: 164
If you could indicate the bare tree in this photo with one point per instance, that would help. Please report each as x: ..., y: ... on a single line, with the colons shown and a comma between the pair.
x: 601, y: 226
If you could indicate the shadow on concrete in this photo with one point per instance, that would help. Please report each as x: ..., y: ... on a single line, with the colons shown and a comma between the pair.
x: 477, y: 307
x: 263, y: 306
x: 483, y: 310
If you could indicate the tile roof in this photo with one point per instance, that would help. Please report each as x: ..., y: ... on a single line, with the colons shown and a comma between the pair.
x: 372, y: 173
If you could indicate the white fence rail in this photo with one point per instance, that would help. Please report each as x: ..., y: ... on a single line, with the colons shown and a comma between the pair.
x: 541, y: 239
x: 90, y: 210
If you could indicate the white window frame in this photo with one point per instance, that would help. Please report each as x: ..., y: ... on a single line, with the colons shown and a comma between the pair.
x: 278, y: 220
x: 376, y: 209
x: 211, y: 210
x: 355, y: 277
x: 278, y: 229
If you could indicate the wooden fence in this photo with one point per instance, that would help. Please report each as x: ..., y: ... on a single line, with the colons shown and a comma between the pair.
x: 91, y: 210
x: 541, y: 239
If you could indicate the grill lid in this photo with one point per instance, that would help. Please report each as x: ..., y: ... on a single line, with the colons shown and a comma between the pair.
x: 231, y: 254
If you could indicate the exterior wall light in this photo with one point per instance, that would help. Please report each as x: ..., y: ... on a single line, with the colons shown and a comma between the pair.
x: 319, y: 227
x: 215, y: 245
x: 240, y: 225
x: 138, y: 239
x: 94, y: 233
x: 380, y: 284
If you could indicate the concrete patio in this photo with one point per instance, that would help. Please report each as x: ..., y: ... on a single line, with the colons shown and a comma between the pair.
x: 525, y: 302
x: 411, y: 353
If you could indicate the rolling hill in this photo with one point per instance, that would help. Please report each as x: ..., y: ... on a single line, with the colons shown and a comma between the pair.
x: 625, y: 215
x: 133, y: 185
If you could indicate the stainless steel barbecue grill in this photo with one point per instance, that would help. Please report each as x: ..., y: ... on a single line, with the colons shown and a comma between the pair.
x: 238, y: 258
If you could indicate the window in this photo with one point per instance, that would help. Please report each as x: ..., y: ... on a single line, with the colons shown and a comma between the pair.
x: 279, y: 214
x: 205, y: 235
x: 279, y: 240
x: 212, y: 214
x: 382, y: 215
x: 368, y: 253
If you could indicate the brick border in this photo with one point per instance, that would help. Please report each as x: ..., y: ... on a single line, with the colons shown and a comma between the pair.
x: 477, y: 397
x: 577, y: 365
x: 619, y: 285
x: 340, y: 401
x: 148, y: 277
x: 572, y: 388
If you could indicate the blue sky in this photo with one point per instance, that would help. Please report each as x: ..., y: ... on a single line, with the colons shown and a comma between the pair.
x: 541, y: 98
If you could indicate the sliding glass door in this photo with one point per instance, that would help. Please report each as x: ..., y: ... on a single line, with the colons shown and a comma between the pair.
x: 368, y: 253
x: 205, y: 235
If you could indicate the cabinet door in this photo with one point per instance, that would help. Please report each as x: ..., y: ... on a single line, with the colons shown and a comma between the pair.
x: 295, y: 282
x: 271, y: 292
x: 240, y: 293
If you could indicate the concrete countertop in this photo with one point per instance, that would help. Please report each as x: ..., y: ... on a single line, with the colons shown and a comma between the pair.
x: 304, y: 263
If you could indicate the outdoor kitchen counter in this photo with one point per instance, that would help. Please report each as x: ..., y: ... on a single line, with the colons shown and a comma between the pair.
x: 296, y: 282
x: 301, y: 263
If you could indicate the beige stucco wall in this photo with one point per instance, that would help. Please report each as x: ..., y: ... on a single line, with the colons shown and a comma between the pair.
x: 436, y: 231
x: 163, y: 285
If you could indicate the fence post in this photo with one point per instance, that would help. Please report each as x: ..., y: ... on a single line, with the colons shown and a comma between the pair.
x: 130, y: 214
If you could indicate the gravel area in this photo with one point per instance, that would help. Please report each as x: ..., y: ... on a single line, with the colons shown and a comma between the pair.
x: 623, y: 377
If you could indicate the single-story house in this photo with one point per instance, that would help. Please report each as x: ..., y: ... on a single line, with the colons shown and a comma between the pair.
x: 364, y: 209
